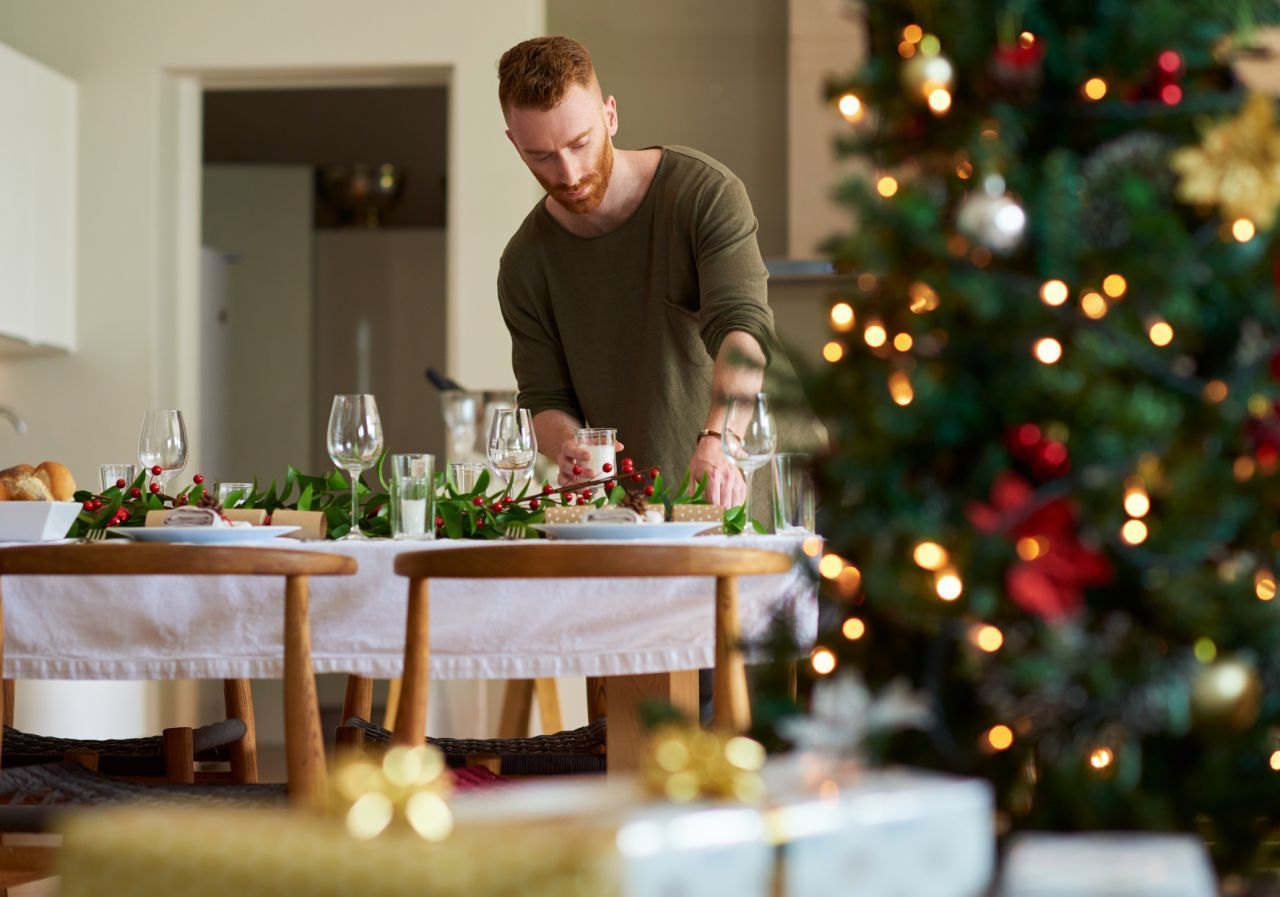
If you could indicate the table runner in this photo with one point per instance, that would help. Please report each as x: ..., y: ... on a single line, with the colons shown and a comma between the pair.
x: 230, y: 627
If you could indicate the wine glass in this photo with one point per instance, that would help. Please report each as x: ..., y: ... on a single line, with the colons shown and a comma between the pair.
x: 512, y: 445
x: 163, y: 442
x: 750, y: 437
x: 354, y: 442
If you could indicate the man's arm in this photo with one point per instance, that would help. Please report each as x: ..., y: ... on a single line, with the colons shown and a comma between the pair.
x: 738, y: 371
x: 555, y: 431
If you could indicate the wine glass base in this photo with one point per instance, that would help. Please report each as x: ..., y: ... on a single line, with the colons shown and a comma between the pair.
x: 353, y: 536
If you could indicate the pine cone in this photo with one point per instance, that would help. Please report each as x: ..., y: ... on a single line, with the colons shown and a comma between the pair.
x: 636, y: 502
x: 209, y: 500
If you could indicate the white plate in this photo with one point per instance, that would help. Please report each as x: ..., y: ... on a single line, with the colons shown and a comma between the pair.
x: 202, y: 534
x: 625, y: 531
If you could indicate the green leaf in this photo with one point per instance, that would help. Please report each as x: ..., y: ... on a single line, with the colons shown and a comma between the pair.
x: 617, y: 495
x: 337, y: 481
x: 452, y: 519
x: 304, y: 500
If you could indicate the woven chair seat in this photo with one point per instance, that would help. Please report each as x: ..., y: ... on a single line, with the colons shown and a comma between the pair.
x: 120, y: 756
x: 573, y: 751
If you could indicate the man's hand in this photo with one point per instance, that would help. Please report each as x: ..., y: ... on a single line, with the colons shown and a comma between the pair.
x: 573, y: 455
x: 725, y: 485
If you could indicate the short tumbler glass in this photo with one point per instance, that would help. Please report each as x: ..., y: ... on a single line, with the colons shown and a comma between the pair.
x: 240, y: 490
x: 465, y: 474
x: 412, y: 496
x: 601, y: 445
x: 793, y: 493
x: 112, y: 474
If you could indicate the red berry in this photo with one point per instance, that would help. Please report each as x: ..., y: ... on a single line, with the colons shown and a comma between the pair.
x: 479, y: 522
x: 648, y: 490
x: 546, y: 489
x: 508, y: 501
x: 182, y: 499
x: 534, y: 505
x: 577, y: 470
x: 496, y: 507
x: 653, y: 474
x: 88, y: 505
x: 156, y: 470
x: 607, y: 467
x: 198, y: 479
x: 439, y: 521
x: 135, y: 492
x: 627, y: 464
x: 155, y: 487
x: 120, y: 484
x: 635, y: 478
x: 478, y: 501
x: 610, y: 486
x: 268, y: 521
x: 586, y: 494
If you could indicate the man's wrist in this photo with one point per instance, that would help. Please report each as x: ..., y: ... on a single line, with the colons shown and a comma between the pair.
x: 708, y: 434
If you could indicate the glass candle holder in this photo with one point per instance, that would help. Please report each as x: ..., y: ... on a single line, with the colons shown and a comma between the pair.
x: 412, y: 496
x: 601, y: 445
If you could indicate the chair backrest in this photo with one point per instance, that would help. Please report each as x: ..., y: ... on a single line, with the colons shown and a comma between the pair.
x: 169, y: 559
x: 535, y: 561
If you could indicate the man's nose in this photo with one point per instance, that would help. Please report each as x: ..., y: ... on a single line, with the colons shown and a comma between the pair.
x: 570, y: 171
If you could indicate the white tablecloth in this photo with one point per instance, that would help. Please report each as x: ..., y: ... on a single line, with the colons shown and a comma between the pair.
x: 231, y: 627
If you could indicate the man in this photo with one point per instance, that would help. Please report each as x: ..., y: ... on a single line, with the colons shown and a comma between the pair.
x: 634, y: 292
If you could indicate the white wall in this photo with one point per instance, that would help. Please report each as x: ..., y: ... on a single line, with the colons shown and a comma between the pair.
x: 138, y: 224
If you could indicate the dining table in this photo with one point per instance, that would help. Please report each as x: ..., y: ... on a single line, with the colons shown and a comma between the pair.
x: 639, y: 635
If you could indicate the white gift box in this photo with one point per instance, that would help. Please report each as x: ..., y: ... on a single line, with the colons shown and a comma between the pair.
x: 1111, y: 864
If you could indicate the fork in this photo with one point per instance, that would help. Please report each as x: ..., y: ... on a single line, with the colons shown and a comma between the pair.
x: 97, y: 534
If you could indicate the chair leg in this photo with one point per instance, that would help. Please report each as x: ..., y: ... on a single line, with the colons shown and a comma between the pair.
x: 411, y: 717
x: 237, y: 697
x: 517, y: 702
x: 596, y: 706
x: 358, y: 700
x: 304, y: 745
x: 349, y: 743
x: 548, y: 705
x: 393, y: 704
x: 10, y: 694
x: 732, y: 704
x: 179, y: 756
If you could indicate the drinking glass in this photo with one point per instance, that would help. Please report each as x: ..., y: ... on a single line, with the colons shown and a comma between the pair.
x: 464, y: 475
x: 412, y: 494
x: 461, y: 410
x: 354, y: 443
x: 793, y: 498
x: 110, y: 474
x: 240, y: 490
x: 512, y: 444
x: 600, y: 444
x: 749, y: 436
x: 163, y: 442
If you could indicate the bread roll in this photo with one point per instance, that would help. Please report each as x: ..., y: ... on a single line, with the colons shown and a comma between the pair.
x: 24, y: 485
x: 62, y: 485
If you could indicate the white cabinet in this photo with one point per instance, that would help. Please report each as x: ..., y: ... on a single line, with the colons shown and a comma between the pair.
x: 37, y: 207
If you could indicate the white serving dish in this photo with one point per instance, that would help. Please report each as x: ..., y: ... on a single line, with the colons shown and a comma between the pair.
x: 37, y: 521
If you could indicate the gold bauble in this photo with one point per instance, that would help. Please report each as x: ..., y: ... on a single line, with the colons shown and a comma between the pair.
x: 1236, y: 166
x: 1226, y: 693
x: 923, y: 74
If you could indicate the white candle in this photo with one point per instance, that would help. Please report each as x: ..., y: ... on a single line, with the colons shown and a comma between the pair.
x: 413, y: 516
x: 600, y: 456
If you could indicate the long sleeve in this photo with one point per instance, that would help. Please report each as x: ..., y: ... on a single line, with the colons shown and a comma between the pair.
x: 732, y: 279
x: 537, y: 355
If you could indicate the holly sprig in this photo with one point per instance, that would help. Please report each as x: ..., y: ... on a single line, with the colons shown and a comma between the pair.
x: 471, y: 514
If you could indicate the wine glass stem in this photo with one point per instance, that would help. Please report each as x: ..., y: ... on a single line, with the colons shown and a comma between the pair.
x: 355, y: 520
x: 746, y: 504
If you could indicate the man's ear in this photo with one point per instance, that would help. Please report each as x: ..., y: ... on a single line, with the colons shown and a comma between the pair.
x: 512, y: 139
x: 611, y: 115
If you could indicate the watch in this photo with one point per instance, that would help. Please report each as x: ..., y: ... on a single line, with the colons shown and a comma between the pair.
x: 703, y: 434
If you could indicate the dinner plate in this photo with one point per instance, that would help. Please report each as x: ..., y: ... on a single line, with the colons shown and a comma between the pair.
x: 202, y: 534
x: 624, y: 531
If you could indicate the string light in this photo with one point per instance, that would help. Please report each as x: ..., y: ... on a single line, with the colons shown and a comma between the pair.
x: 833, y: 351
x: 1114, y: 285
x: 849, y: 581
x: 1215, y: 392
x: 823, y: 661
x: 851, y: 108
x: 1243, y: 469
x: 1243, y: 230
x: 1093, y: 305
x: 981, y: 256
x: 1031, y: 547
x: 887, y: 186
x: 1101, y: 758
x: 812, y: 546
x: 986, y: 637
x: 903, y: 342
x: 939, y: 101
x: 853, y: 629
x: 867, y: 282
x: 964, y: 169
x: 1053, y: 292
x: 875, y: 335
x: 1047, y: 350
x: 1264, y: 585
x: 1275, y: 760
x: 1134, y: 532
x: 1204, y: 649
x: 1136, y: 503
x: 830, y: 566
x: 1171, y: 94
x: 1026, y: 39
x: 1160, y: 333
x: 1169, y: 62
x: 930, y: 556
x: 912, y: 33
x: 842, y: 316
x: 948, y: 585
x: 930, y: 45
x: 900, y: 388
x: 1260, y: 406
x: 906, y: 49
x: 1000, y: 737
x: 1094, y: 89
x: 923, y: 298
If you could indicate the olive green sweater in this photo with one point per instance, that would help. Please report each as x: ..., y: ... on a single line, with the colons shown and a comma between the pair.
x: 621, y: 330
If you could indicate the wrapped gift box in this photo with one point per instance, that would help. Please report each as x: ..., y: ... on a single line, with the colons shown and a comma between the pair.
x: 873, y: 834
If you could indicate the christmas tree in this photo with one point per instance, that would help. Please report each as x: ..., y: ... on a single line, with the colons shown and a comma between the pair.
x: 1051, y: 501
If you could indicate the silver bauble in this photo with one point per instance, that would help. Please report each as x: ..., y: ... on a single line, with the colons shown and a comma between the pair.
x: 991, y: 217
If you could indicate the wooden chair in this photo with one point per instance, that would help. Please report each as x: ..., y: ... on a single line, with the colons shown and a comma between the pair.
x: 303, y: 742
x: 625, y: 693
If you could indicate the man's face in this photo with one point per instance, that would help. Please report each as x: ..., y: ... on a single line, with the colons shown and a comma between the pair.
x: 569, y: 148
